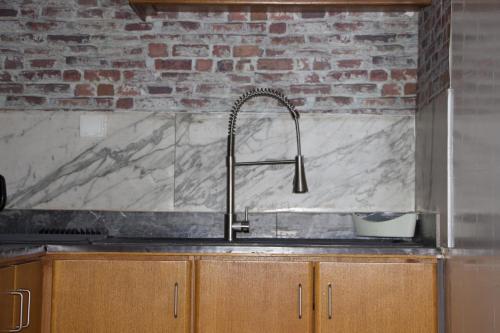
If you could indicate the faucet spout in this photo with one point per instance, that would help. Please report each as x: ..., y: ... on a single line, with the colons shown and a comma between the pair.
x: 232, y: 226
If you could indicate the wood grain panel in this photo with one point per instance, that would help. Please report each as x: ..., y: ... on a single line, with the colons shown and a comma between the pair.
x: 253, y: 296
x: 377, y: 297
x: 7, y: 277
x: 29, y: 277
x: 106, y: 296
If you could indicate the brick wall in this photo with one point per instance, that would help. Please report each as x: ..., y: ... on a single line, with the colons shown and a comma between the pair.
x: 97, y: 55
x: 434, y: 54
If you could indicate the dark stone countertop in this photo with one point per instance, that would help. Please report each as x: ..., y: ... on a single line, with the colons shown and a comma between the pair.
x: 243, y: 246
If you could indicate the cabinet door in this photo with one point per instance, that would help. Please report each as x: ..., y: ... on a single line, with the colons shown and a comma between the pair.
x: 7, y: 300
x: 376, y: 297
x: 106, y: 296
x: 29, y: 281
x: 253, y: 296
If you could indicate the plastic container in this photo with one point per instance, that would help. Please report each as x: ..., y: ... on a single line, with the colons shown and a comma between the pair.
x: 385, y: 224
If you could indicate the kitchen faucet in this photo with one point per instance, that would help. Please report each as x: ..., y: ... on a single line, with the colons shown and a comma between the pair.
x: 232, y: 225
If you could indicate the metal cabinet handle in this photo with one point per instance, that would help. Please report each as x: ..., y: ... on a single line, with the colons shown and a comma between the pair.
x: 330, y: 309
x: 21, y: 306
x: 300, y: 301
x: 28, y: 312
x: 176, y: 299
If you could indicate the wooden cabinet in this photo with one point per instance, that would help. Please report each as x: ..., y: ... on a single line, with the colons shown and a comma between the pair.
x: 129, y: 293
x: 21, y: 290
x: 106, y: 296
x: 7, y: 277
x: 366, y: 297
x: 253, y: 296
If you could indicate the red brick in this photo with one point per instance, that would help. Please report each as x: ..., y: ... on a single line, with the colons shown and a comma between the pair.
x: 277, y: 28
x: 103, y: 74
x: 87, y: 2
x: 11, y: 88
x: 355, y: 74
x: 275, y: 64
x: 378, y: 75
x: 78, y: 39
x: 274, y: 52
x: 125, y: 103
x: 105, y: 90
x: 313, y: 14
x: 391, y: 89
x: 243, y: 51
x: 41, y: 75
x: 72, y: 75
x: 159, y: 90
x: 204, y: 65
x: 13, y: 63
x: 6, y: 12
x: 73, y: 102
x: 288, y: 40
x: 256, y: 27
x: 238, y: 16
x: 310, y: 89
x: 84, y: 89
x: 404, y: 74
x: 183, y: 65
x: 227, y: 27
x: 42, y: 63
x: 5, y: 77
x: 41, y: 26
x: 351, y: 63
x: 124, y: 15
x: 139, y: 26
x: 221, y: 51
x: 348, y: 26
x: 410, y: 89
x: 320, y: 65
x: 258, y: 16
x: 225, y: 66
x: 383, y: 38
x: 129, y: 64
x: 157, y: 50
x: 194, y: 102
x: 26, y: 100
x: 312, y: 78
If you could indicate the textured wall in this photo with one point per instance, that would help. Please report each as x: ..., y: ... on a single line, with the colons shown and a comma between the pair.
x: 433, y: 51
x: 182, y: 69
x: 97, y: 55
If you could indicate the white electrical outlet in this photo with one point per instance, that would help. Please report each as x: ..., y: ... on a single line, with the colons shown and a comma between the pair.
x: 93, y: 125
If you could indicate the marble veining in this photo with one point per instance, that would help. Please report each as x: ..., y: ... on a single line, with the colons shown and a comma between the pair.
x: 49, y: 166
x: 353, y: 162
x: 176, y: 162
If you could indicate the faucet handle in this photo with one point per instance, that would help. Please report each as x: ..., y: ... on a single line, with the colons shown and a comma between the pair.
x: 246, y: 214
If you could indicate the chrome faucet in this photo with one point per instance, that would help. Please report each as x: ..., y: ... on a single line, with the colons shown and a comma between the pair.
x: 232, y: 225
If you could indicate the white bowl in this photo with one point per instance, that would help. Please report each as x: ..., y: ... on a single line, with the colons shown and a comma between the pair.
x: 385, y: 225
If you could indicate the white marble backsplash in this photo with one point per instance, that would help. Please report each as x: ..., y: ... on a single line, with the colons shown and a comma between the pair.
x: 176, y: 162
x: 48, y: 165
